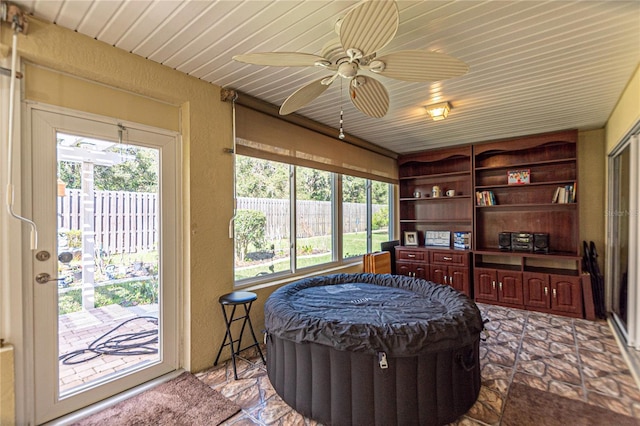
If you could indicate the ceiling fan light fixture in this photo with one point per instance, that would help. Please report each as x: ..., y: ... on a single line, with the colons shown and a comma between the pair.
x: 439, y: 111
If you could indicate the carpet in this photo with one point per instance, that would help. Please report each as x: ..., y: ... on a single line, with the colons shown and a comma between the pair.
x: 184, y: 400
x: 528, y: 406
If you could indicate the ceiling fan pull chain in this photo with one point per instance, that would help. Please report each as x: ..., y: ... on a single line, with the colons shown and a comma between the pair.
x: 341, y: 134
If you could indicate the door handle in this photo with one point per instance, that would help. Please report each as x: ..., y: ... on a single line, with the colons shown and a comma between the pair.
x: 43, y: 278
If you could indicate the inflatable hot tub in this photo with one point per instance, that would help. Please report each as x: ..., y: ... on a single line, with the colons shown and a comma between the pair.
x: 373, y: 349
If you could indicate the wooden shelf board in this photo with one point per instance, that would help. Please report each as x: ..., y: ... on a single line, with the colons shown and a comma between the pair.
x: 436, y: 175
x: 457, y: 221
x: 527, y: 164
x: 563, y: 255
x: 555, y: 271
x: 436, y: 198
x: 537, y: 206
x: 551, y: 183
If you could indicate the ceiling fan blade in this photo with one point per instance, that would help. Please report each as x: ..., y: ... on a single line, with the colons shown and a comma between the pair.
x: 280, y: 59
x: 303, y: 96
x: 420, y: 65
x: 369, y: 96
x: 370, y: 26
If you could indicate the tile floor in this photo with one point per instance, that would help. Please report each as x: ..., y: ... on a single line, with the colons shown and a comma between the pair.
x: 574, y: 358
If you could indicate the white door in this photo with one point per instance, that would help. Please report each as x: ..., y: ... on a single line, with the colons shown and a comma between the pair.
x: 104, y: 196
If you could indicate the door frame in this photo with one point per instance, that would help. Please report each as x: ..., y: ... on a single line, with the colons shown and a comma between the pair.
x: 171, y: 243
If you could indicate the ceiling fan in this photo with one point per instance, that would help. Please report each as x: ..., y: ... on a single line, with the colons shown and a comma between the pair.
x: 363, y: 31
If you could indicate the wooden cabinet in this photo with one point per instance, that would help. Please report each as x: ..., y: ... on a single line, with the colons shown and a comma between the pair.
x: 447, y: 267
x: 451, y: 267
x: 412, y: 262
x: 566, y: 295
x: 536, y: 290
x: 410, y: 269
x: 538, y: 274
x: 560, y: 294
x: 485, y: 285
x: 503, y: 286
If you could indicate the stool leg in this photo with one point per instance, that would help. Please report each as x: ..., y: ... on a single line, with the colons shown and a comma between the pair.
x: 229, y: 337
x: 255, y: 341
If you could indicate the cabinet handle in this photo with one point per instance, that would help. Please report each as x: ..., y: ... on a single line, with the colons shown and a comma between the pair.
x: 493, y: 284
x: 450, y: 280
x: 554, y: 293
x: 500, y: 285
x: 445, y: 279
x: 447, y: 258
x: 411, y: 255
x: 546, y: 291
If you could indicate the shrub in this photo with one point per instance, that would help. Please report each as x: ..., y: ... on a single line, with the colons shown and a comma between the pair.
x: 249, y: 229
x: 380, y: 219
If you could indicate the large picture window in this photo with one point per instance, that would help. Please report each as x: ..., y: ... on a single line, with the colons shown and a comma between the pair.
x: 286, y: 218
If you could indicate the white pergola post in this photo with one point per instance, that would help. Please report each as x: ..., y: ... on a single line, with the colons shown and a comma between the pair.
x: 88, y: 237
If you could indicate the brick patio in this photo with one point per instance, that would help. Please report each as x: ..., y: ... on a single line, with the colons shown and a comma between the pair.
x: 79, y: 329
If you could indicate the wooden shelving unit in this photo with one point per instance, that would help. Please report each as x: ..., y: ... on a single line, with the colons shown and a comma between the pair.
x: 547, y: 279
x: 449, y: 169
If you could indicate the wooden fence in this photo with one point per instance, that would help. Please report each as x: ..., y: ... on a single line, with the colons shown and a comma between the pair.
x: 127, y: 222
x: 124, y: 222
x: 313, y: 217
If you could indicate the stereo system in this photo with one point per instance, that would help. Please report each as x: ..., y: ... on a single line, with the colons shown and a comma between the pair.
x: 524, y: 241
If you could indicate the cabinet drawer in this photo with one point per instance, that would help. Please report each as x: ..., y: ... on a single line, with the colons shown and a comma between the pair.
x: 411, y: 255
x: 448, y: 258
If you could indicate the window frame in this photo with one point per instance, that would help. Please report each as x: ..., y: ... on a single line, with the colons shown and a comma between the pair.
x: 337, y: 259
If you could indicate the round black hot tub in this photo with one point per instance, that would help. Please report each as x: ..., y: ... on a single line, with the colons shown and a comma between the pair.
x: 373, y: 349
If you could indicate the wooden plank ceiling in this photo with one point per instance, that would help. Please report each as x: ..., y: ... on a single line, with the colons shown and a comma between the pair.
x: 535, y: 66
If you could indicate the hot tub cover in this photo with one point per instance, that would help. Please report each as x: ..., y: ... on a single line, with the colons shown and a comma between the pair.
x: 372, y: 313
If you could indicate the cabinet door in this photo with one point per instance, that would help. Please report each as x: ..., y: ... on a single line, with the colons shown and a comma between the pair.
x: 510, y: 287
x: 485, y: 284
x: 404, y: 268
x: 421, y: 270
x: 439, y: 274
x: 459, y: 279
x: 566, y: 294
x: 536, y: 290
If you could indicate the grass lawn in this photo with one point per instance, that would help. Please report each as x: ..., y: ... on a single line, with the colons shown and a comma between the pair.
x: 353, y: 243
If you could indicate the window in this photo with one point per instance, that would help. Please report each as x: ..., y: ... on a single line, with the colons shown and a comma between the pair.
x: 314, y: 217
x: 282, y: 231
x: 365, y: 215
x: 262, y: 222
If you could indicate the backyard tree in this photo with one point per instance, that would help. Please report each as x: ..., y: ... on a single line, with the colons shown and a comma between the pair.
x: 138, y: 174
x: 250, y: 229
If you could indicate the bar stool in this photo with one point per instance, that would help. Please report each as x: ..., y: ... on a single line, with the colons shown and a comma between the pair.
x: 234, y: 299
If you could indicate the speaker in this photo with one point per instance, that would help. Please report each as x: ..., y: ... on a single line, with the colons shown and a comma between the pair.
x: 504, y: 240
x: 541, y: 243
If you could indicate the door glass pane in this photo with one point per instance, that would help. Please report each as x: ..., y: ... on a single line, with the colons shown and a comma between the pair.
x: 314, y: 239
x: 108, y: 225
x: 620, y: 217
x: 354, y: 216
x: 262, y: 223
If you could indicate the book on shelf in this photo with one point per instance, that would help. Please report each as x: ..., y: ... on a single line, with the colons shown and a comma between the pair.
x: 565, y: 194
x: 485, y: 198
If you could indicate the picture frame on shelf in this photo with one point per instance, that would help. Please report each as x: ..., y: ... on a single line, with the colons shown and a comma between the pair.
x: 411, y: 238
x: 519, y: 177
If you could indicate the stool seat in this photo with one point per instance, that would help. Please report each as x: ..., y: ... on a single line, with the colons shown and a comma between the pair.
x: 232, y: 300
x: 237, y: 297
